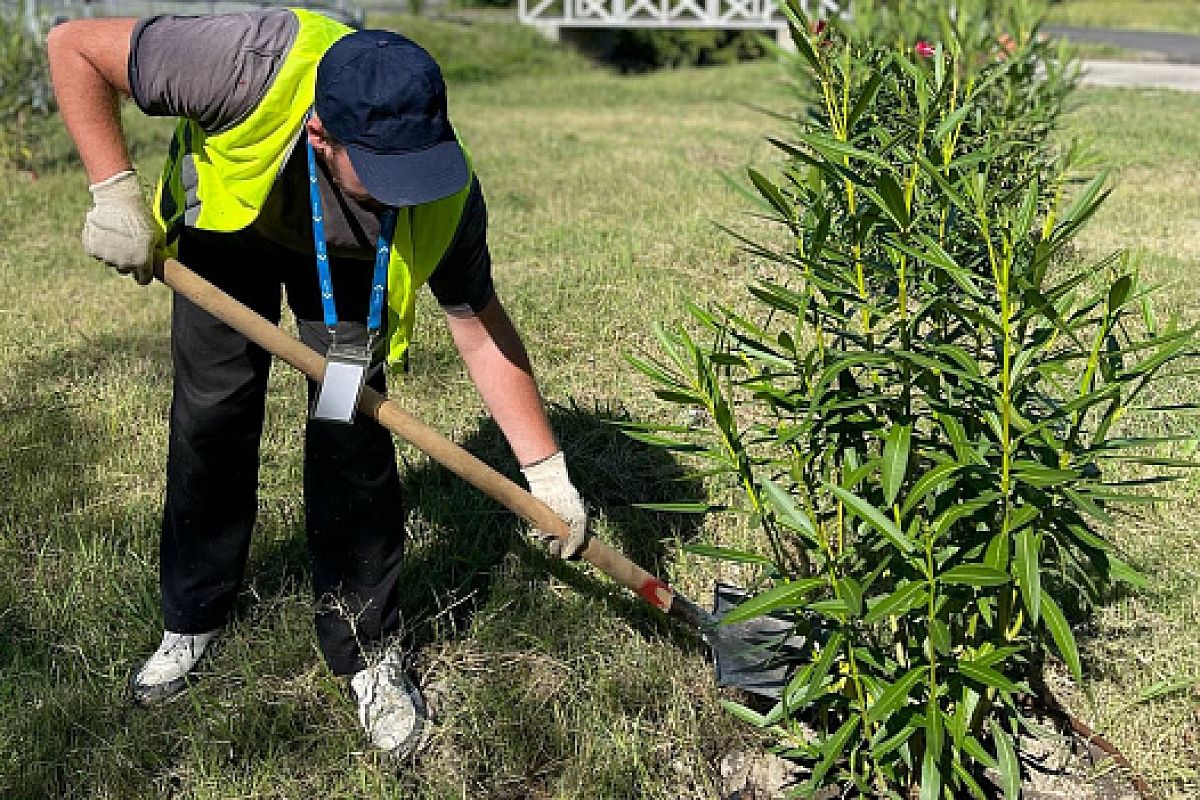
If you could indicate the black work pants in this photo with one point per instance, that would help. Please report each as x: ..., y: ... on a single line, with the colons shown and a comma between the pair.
x: 353, y: 511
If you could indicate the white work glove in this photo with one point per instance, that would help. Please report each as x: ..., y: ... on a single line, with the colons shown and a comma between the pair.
x: 119, y: 230
x: 549, y: 482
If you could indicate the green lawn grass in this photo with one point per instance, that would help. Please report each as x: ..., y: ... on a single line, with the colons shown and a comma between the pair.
x: 1150, y: 138
x: 552, y: 683
x: 1182, y: 16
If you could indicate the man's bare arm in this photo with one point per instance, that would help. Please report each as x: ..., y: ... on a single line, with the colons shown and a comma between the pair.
x: 499, y: 367
x: 496, y: 359
x: 89, y: 67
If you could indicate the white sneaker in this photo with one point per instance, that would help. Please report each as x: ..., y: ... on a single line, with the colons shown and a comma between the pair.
x: 165, y: 674
x: 390, y: 707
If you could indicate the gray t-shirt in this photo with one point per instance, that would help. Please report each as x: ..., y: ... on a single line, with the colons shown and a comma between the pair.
x: 215, y: 69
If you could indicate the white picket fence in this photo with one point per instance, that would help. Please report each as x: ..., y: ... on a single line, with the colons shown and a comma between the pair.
x: 726, y: 14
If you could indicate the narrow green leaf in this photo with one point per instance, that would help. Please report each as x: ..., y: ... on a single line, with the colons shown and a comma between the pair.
x: 1017, y: 373
x: 850, y: 592
x: 987, y: 676
x: 977, y: 575
x: 727, y: 554
x: 772, y: 193
x: 893, y: 199
x: 672, y: 345
x: 958, y: 438
x: 939, y: 635
x: 1085, y: 203
x: 952, y: 192
x: 951, y: 121
x: 677, y: 508
x: 895, y: 695
x: 833, y: 747
x: 895, y: 461
x: 994, y: 657
x: 747, y: 715
x: 966, y: 361
x: 875, y: 518
x: 1035, y: 474
x: 654, y: 371
x: 1164, y: 688
x: 1028, y: 207
x: 880, y: 750
x: 1118, y: 293
x: 986, y: 606
x: 899, y: 602
x: 928, y: 482
x: 1029, y: 572
x: 931, y: 779
x: 940, y: 367
x: 975, y: 750
x: 935, y: 254
x: 745, y: 192
x: 834, y: 608
x: 798, y: 25
x: 1021, y: 516
x: 1010, y: 768
x: 1060, y: 630
x: 865, y: 98
x: 794, y: 692
x: 821, y: 667
x: 953, y: 514
x: 997, y: 551
x: 787, y: 512
x: 1087, y: 505
x: 965, y: 782
x: 935, y: 734
x: 781, y: 596
x: 1118, y: 570
x: 675, y: 445
x: 835, y: 149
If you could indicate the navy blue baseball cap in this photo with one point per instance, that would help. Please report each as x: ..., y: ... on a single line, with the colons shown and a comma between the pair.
x: 382, y: 97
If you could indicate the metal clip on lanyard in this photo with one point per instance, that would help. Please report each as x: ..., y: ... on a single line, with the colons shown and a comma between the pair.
x: 346, y: 364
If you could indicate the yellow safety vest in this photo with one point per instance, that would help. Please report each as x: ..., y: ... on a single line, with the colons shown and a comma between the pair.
x: 220, y: 181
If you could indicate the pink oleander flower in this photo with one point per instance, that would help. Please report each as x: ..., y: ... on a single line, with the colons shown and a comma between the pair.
x: 817, y: 27
x: 924, y: 49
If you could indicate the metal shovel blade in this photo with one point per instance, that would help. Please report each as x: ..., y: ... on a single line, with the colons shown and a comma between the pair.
x: 757, y: 656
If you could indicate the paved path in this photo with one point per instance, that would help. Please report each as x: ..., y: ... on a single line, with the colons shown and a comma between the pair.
x: 1178, y: 48
x: 1173, y: 59
x: 1185, y: 77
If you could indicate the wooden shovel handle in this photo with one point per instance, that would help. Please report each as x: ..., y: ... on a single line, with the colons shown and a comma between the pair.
x: 389, y: 414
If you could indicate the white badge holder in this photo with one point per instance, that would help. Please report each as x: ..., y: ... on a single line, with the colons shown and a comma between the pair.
x: 346, y: 368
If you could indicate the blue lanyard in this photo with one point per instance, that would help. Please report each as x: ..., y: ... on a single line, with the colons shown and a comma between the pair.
x: 383, y: 248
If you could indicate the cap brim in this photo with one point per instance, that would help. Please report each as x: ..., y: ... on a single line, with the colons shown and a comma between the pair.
x: 409, y: 179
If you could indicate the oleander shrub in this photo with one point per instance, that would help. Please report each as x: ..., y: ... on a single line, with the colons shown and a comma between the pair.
x: 919, y: 407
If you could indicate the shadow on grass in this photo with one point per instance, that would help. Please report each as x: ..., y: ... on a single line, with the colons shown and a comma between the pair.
x: 68, y: 729
x: 73, y: 585
x: 459, y: 536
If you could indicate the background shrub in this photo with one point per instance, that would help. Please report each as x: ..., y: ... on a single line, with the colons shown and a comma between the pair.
x: 26, y: 99
x: 637, y: 49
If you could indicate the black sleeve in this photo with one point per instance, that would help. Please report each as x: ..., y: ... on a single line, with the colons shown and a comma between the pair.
x: 462, y: 282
